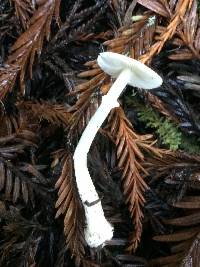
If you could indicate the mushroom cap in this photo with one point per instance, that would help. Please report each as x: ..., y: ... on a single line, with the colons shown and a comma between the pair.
x: 141, y: 75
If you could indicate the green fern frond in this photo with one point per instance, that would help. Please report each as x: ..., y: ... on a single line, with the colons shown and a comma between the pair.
x: 168, y: 132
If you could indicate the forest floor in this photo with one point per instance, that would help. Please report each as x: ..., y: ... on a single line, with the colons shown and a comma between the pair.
x: 145, y: 160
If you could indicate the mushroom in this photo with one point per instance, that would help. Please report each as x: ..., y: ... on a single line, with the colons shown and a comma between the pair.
x: 128, y: 72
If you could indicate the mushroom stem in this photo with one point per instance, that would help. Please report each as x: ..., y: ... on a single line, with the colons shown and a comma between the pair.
x: 127, y: 71
x: 108, y: 102
x: 98, y: 229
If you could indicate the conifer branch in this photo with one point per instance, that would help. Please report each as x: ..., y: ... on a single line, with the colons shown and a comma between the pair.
x: 130, y: 147
x: 29, y: 44
x: 69, y: 205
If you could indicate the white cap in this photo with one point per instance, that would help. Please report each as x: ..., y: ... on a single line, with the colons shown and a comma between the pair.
x: 141, y: 75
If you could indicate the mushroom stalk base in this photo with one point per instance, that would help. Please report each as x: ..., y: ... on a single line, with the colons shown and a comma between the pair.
x: 98, y: 229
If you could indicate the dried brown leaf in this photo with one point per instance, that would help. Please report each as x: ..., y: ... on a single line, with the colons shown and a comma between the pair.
x: 9, y: 183
x: 24, y: 9
x: 69, y: 205
x: 156, y: 6
x: 130, y: 155
x: 178, y: 236
x: 2, y: 175
x: 29, y: 44
x: 8, y: 75
x: 170, y: 261
x: 188, y: 220
x: 182, y: 7
x: 187, y: 228
x: 186, y: 254
x: 192, y: 202
x: 192, y: 259
x: 54, y: 113
x: 189, y: 35
x: 16, y: 189
x: 16, y: 180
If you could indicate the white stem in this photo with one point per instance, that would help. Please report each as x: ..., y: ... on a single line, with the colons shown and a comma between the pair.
x: 98, y: 229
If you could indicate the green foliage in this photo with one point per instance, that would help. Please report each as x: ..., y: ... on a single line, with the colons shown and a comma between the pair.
x: 168, y: 132
x: 190, y: 144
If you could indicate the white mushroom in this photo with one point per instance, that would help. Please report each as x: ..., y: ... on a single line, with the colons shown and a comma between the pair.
x: 128, y: 72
